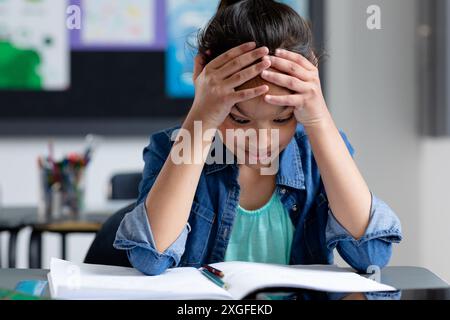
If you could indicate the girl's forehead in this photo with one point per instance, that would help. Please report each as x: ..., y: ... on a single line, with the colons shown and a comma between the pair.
x: 258, y: 109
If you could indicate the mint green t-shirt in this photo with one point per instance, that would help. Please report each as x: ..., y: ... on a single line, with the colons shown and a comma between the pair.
x: 262, y: 235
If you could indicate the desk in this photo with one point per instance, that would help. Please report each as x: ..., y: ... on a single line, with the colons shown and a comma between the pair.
x: 90, y: 223
x: 14, y: 219
x: 402, y: 278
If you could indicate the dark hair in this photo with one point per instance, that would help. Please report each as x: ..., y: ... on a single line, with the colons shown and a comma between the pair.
x: 267, y: 22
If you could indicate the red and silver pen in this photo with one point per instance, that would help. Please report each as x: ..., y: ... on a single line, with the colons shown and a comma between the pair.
x: 214, y: 271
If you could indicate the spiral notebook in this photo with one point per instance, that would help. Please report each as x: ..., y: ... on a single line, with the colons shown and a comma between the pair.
x: 68, y: 280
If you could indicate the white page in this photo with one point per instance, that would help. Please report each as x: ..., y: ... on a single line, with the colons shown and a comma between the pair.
x: 85, y: 281
x: 244, y: 277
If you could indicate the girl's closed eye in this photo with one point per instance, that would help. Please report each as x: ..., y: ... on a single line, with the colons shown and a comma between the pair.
x: 283, y: 120
x: 242, y: 121
x: 238, y: 119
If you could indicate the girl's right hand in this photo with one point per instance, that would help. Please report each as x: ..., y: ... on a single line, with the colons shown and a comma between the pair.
x: 215, y: 83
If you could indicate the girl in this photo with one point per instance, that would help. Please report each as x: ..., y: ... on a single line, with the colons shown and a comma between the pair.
x: 255, y: 70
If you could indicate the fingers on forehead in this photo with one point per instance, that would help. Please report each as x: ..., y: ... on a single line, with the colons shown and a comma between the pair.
x: 232, y: 53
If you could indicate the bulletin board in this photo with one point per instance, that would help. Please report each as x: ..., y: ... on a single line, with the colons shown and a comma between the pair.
x: 127, y: 71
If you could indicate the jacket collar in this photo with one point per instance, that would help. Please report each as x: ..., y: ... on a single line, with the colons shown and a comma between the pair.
x: 290, y: 172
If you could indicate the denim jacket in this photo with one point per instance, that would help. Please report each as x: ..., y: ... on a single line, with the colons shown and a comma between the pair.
x: 205, y: 237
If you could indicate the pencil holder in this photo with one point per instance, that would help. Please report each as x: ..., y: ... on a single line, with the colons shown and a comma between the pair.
x: 49, y: 198
x: 62, y: 183
x: 62, y: 189
x: 72, y: 190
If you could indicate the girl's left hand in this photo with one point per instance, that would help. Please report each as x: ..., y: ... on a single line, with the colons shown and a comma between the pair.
x: 302, y: 77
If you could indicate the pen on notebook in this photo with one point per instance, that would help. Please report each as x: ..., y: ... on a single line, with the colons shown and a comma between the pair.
x: 213, y: 270
x: 213, y: 278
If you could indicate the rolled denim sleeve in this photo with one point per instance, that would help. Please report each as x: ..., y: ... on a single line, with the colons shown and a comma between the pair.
x: 134, y: 235
x: 375, y: 246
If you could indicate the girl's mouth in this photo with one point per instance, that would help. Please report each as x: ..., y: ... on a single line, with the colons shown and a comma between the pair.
x: 261, y: 156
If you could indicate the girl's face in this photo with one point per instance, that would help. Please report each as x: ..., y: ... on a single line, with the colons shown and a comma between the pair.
x: 257, y: 114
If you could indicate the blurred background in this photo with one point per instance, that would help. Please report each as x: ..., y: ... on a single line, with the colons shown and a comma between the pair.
x: 119, y: 70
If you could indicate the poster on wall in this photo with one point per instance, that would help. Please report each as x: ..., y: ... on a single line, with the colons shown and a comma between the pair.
x: 34, y: 48
x: 119, y: 23
x: 184, y: 19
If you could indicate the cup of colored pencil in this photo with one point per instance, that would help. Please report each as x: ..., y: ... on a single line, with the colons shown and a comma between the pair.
x: 62, y: 182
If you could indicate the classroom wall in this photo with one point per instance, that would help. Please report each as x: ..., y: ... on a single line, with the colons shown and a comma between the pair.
x: 435, y: 212
x: 371, y: 89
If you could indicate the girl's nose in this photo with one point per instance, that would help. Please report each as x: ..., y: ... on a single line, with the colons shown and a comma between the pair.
x: 263, y: 141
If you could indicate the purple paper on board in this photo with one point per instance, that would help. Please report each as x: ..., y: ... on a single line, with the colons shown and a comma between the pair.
x: 158, y: 45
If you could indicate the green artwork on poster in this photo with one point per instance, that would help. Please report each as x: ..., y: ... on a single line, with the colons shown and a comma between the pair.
x: 19, y: 67
x: 34, y: 47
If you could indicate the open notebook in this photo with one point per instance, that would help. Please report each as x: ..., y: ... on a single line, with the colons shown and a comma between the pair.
x: 69, y: 280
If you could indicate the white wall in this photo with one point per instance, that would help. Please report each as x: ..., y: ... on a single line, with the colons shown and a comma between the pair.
x: 371, y: 92
x: 19, y: 182
x: 435, y: 210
